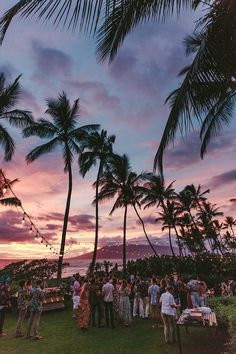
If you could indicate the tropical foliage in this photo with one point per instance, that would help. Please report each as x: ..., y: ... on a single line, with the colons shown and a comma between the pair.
x: 97, y: 147
x: 62, y: 131
x: 207, y: 92
x: 6, y: 187
x: 9, y: 97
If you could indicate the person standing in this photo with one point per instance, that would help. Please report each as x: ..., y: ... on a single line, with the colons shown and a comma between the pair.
x: 168, y: 313
x: 116, y: 298
x: 107, y: 291
x: 22, y: 304
x: 95, y: 300
x: 153, y: 292
x: 4, y: 302
x: 76, y: 296
x: 36, y: 306
x: 85, y: 309
x: 124, y: 303
x: 193, y: 289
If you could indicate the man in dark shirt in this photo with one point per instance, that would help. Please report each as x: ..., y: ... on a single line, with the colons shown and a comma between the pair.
x: 95, y: 300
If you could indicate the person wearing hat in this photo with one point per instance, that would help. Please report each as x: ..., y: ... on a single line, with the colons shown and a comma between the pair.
x: 4, y: 301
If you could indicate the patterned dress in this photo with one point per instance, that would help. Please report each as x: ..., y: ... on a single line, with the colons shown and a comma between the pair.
x: 124, y: 306
x: 116, y: 302
x: 85, y: 309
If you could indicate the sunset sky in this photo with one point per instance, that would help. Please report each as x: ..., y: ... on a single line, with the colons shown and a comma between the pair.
x: 127, y: 99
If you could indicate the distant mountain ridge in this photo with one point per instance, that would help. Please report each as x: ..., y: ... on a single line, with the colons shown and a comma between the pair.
x: 132, y: 252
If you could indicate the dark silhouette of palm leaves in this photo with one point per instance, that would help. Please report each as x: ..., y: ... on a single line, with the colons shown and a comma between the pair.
x: 9, y: 96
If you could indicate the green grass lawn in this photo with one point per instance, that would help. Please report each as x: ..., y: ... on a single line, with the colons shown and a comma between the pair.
x: 61, y: 335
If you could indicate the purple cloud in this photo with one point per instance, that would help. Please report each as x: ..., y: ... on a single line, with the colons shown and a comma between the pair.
x: 220, y: 180
x: 12, y: 230
x: 50, y: 62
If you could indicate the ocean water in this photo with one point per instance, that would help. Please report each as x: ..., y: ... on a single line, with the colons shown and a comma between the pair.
x: 76, y: 266
x: 81, y: 266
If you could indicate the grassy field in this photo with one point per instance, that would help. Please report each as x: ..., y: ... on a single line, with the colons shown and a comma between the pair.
x: 61, y: 335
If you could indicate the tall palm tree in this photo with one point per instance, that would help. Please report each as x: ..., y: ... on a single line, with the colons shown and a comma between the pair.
x: 169, y: 218
x: 120, y: 181
x: 206, y: 220
x: 9, y: 96
x: 6, y: 187
x: 98, y: 147
x: 62, y: 131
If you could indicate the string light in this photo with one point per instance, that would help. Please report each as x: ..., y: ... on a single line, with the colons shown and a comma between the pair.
x: 26, y: 217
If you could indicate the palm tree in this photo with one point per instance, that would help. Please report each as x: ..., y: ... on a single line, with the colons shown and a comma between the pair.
x: 156, y: 193
x: 98, y: 148
x: 120, y: 181
x: 9, y: 96
x: 230, y: 222
x: 206, y: 220
x: 6, y: 187
x: 62, y: 131
x: 169, y: 218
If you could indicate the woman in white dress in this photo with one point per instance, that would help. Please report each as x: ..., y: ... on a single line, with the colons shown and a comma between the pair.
x: 124, y: 304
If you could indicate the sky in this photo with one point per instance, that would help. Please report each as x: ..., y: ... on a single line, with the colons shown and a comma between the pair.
x: 127, y: 98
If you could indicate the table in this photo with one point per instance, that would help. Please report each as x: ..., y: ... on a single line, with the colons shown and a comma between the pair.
x: 208, y: 321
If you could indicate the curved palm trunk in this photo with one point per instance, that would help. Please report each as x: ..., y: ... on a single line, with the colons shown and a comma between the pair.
x: 177, y: 235
x: 144, y: 230
x: 170, y: 242
x: 97, y: 221
x: 124, y: 241
x: 66, y: 217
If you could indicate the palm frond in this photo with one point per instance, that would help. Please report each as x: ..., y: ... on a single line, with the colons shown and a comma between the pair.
x: 7, y: 143
x: 126, y: 15
x: 10, y: 202
x: 219, y: 116
x: 42, y: 149
x: 18, y: 118
x: 209, y: 75
x: 42, y: 128
x: 70, y: 13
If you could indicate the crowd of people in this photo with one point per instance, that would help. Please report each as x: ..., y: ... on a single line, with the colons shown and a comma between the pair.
x: 109, y: 301
x: 29, y: 297
x: 112, y: 301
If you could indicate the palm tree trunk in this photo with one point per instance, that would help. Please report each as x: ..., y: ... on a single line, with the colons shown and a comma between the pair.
x: 170, y: 242
x: 66, y: 217
x: 177, y: 235
x: 124, y: 241
x: 144, y: 230
x: 97, y: 220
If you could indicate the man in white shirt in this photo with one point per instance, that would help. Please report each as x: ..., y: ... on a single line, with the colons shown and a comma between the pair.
x: 168, y: 313
x: 107, y: 291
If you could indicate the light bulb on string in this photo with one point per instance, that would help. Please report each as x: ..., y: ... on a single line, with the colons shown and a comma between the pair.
x: 30, y: 230
x: 4, y: 190
x: 23, y: 219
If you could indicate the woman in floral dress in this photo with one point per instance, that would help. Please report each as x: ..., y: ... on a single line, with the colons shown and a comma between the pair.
x: 115, y: 299
x: 124, y: 304
x: 84, y: 305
